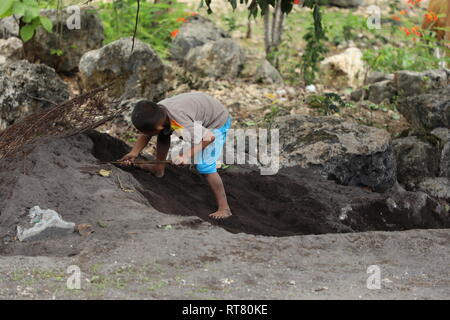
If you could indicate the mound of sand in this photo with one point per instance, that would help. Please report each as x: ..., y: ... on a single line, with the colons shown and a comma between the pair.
x: 136, y: 251
x: 62, y: 175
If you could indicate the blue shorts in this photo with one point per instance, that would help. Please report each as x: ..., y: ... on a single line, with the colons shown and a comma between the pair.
x: 209, y: 156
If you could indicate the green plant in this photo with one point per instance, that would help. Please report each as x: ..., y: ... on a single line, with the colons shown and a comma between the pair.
x: 273, y: 113
x: 391, y: 58
x: 158, y: 22
x: 413, y: 48
x: 327, y: 103
x: 231, y: 23
x: 27, y: 13
x: 315, y: 46
x: 343, y: 27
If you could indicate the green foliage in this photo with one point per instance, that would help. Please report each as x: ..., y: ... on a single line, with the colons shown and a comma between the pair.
x: 391, y: 58
x: 254, y: 6
x: 327, y: 103
x: 273, y: 113
x: 156, y: 22
x: 28, y: 13
x: 315, y: 45
x: 403, y: 48
x: 57, y: 52
x: 231, y: 23
x: 343, y: 27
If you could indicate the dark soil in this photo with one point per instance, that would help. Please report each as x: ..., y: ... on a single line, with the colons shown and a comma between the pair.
x: 293, y: 202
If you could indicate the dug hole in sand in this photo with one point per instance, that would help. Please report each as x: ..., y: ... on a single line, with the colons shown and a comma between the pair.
x: 292, y: 235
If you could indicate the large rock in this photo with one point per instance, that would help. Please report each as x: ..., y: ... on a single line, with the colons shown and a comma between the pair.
x: 72, y: 43
x: 8, y: 28
x: 376, y: 76
x: 268, y: 74
x: 10, y: 49
x: 409, y: 83
x: 140, y: 75
x: 26, y: 88
x: 346, y: 152
x: 378, y: 87
x: 219, y: 59
x: 444, y: 136
x: 381, y: 87
x: 195, y: 32
x: 381, y: 91
x: 416, y: 160
x: 436, y: 187
x: 429, y: 110
x: 206, y: 50
x: 343, y: 70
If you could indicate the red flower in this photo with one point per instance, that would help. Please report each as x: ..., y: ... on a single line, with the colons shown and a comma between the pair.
x: 174, y: 33
x: 415, y: 2
x: 431, y: 16
x: 405, y: 30
x: 181, y: 19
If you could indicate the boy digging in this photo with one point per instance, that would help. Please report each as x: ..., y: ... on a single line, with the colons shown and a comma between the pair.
x: 178, y: 115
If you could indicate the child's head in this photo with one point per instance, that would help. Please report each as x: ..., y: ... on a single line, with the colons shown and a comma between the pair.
x: 149, y: 117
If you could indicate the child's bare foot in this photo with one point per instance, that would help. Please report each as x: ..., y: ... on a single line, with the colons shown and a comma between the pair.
x: 221, y: 214
x: 156, y: 170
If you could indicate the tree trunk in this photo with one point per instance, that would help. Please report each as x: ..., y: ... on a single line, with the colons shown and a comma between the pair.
x: 249, y: 29
x: 267, y: 31
x: 273, y: 29
x: 279, y: 25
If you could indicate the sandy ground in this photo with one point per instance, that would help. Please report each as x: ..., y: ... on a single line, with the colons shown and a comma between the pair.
x: 206, y: 262
x: 137, y: 252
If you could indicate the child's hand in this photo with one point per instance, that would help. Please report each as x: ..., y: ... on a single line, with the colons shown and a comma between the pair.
x: 128, y: 159
x: 180, y: 160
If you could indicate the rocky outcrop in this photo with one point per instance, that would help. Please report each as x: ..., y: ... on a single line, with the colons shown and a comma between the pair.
x: 424, y: 163
x: 416, y: 160
x: 343, y: 70
x: 409, y: 83
x: 268, y: 74
x: 429, y: 110
x: 349, y: 153
x: 436, y: 187
x: 70, y: 43
x: 219, y: 59
x: 195, y: 32
x: 206, y: 50
x: 443, y: 134
x: 8, y: 28
x: 26, y: 88
x: 385, y: 88
x: 140, y: 75
x: 376, y: 76
x: 381, y: 91
x: 11, y: 49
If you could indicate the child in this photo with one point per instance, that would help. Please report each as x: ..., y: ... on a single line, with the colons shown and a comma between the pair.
x: 181, y: 114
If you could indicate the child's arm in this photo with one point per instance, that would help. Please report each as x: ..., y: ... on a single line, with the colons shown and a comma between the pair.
x: 140, y: 144
x: 162, y: 147
x: 208, y: 138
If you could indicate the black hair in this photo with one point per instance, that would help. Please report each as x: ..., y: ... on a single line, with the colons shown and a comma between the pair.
x: 146, y: 115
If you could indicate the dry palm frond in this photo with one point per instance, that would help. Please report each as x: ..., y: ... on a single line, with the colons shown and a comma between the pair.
x: 84, y: 112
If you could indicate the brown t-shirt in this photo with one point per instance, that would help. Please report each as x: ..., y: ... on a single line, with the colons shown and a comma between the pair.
x: 186, y: 108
